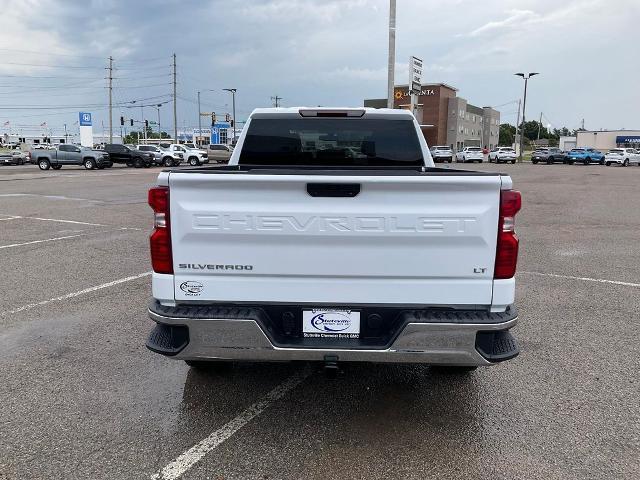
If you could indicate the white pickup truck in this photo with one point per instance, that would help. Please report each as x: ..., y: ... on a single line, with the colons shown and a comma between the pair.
x: 331, y: 237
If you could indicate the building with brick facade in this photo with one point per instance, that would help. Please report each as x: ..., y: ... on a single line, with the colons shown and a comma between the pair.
x: 445, y: 118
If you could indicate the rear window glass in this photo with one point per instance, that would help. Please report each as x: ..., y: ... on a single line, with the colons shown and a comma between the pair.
x: 577, y: 150
x: 442, y: 148
x: 475, y: 149
x: 331, y: 142
x: 616, y: 150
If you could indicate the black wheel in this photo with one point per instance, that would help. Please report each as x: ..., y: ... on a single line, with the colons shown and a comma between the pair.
x: 44, y: 164
x: 194, y: 162
x: 451, y: 160
x: 535, y: 162
x: 90, y: 164
x: 586, y: 161
x: 167, y: 161
x: 549, y: 161
x: 137, y: 162
x: 608, y: 164
x: 21, y: 162
x: 513, y: 162
x: 479, y: 161
x: 601, y: 162
x: 56, y: 167
x: 625, y: 163
x: 101, y: 167
x: 129, y: 163
x: 570, y: 162
x: 109, y: 165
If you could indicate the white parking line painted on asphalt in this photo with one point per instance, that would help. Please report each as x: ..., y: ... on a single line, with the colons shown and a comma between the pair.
x: 585, y: 279
x: 188, y: 459
x: 42, y: 241
x: 75, y: 294
x: 16, y: 217
x: 66, y: 237
x: 50, y: 197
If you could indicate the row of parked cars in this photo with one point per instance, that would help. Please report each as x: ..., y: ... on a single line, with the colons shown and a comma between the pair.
x: 615, y: 156
x: 138, y: 156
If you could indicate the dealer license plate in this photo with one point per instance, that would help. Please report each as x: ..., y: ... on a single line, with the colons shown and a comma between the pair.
x: 330, y: 323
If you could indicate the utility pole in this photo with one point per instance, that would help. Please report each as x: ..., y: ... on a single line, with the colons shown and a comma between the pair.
x: 517, y: 140
x: 66, y: 140
x: 524, y: 106
x: 392, y: 53
x: 539, y: 126
x: 175, y: 106
x: 110, y: 101
x: 199, y: 117
x: 159, y: 131
x: 276, y: 101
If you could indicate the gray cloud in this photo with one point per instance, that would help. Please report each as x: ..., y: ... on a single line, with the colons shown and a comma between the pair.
x: 327, y: 52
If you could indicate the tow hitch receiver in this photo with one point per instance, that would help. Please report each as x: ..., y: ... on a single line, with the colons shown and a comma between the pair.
x: 331, y: 366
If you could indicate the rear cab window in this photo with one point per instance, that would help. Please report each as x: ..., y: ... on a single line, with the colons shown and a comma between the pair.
x: 331, y: 142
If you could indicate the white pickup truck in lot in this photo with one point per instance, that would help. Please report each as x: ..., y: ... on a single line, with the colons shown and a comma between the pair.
x: 331, y: 237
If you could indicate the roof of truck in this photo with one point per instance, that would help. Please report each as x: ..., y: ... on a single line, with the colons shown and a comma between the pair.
x: 294, y: 112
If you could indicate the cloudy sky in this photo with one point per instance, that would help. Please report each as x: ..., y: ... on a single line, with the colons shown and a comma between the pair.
x: 53, y: 56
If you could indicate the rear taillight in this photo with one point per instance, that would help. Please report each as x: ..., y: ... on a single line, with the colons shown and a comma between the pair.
x: 507, y: 246
x: 160, y: 241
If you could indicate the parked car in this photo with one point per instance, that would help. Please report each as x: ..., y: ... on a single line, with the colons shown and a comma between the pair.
x: 193, y: 156
x: 14, y: 157
x: 7, y: 158
x: 548, y: 155
x: 67, y: 154
x: 585, y: 155
x: 301, y: 261
x: 470, y: 154
x: 154, y: 150
x: 220, y: 153
x: 131, y: 157
x: 502, y: 154
x: 442, y: 153
x: 622, y: 156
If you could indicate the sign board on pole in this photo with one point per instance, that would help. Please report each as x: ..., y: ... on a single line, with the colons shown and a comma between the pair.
x: 415, y: 75
x: 86, y: 129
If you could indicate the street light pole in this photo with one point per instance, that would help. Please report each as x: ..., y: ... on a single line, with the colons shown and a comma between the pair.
x: 233, y: 99
x: 524, y: 106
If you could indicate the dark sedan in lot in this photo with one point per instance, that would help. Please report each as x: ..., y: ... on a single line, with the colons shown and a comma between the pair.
x: 548, y: 155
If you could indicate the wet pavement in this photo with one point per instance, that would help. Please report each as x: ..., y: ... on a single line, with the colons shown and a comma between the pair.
x: 81, y: 397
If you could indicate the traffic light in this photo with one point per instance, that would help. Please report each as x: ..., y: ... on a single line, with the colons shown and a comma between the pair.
x: 132, y: 122
x: 121, y: 120
x: 227, y: 117
x: 231, y: 122
x: 213, y: 118
x: 146, y: 124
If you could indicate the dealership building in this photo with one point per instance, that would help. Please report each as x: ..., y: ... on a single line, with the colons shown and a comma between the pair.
x: 446, y: 119
x: 607, y: 139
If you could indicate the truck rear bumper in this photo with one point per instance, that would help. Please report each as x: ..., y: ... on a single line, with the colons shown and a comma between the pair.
x: 464, y: 338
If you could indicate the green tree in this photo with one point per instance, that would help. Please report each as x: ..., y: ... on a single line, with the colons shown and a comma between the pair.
x: 507, y: 134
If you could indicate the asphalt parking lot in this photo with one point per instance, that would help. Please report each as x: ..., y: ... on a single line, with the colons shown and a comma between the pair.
x: 81, y: 397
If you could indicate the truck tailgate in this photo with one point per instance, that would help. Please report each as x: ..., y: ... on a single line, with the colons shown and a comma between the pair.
x: 403, y: 239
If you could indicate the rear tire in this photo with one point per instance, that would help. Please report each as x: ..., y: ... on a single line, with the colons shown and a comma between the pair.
x: 513, y: 162
x: 56, y: 167
x: 44, y: 164
x: 608, y: 164
x: 535, y: 162
x: 90, y: 164
x: 625, y: 163
x: 137, y: 162
x: 167, y: 161
x: 587, y: 161
x: 194, y: 162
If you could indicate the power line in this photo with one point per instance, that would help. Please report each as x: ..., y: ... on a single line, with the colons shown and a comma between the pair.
x: 47, y: 65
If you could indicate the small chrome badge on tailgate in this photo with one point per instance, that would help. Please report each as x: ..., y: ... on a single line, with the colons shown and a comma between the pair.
x: 330, y: 323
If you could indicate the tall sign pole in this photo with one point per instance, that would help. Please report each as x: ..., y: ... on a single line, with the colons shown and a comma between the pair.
x: 110, y: 99
x: 392, y: 52
x: 415, y: 81
x: 175, y: 106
